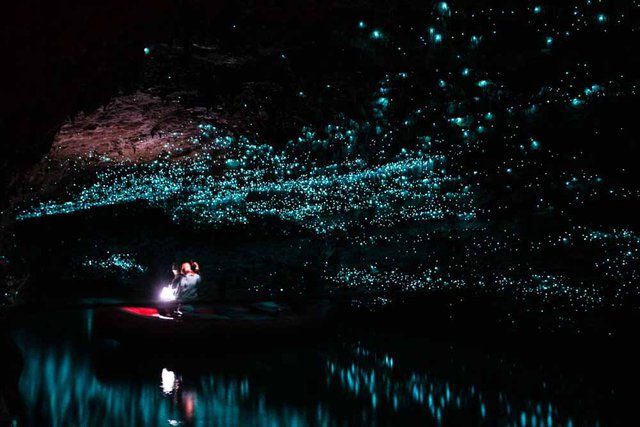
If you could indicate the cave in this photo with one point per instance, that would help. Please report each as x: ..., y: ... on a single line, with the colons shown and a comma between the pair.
x: 319, y: 212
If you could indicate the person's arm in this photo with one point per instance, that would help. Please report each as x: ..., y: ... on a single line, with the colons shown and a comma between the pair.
x: 181, y: 284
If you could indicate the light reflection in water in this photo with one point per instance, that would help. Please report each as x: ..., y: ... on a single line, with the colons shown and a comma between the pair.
x: 373, y: 380
x: 169, y: 384
x: 59, y: 387
x: 355, y: 384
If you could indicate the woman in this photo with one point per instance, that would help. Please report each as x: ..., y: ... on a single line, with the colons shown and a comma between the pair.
x: 188, y: 282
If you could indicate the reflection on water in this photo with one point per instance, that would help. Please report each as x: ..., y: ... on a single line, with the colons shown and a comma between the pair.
x: 60, y: 388
x: 375, y: 380
x: 340, y: 382
x: 169, y: 382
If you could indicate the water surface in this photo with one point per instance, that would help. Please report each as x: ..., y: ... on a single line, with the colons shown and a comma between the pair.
x: 68, y: 375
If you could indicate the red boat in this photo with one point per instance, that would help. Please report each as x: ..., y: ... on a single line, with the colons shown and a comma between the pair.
x: 195, y: 321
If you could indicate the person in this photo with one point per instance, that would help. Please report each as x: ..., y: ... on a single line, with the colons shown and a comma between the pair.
x: 188, y: 282
x: 195, y: 267
x: 175, y: 269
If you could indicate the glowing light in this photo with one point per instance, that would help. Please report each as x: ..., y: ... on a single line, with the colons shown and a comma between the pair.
x: 592, y: 90
x: 362, y: 25
x: 376, y: 34
x: 369, y: 377
x: 576, y: 102
x: 168, y: 381
x: 167, y: 294
x: 444, y: 9
x: 147, y: 51
x: 383, y: 102
x: 114, y: 263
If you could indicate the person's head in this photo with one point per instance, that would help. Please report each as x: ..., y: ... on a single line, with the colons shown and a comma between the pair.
x: 175, y: 268
x: 185, y: 268
x: 195, y: 267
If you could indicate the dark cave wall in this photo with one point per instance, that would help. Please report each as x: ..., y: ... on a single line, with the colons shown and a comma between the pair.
x: 66, y: 56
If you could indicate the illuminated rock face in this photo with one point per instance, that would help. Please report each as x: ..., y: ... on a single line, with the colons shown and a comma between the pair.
x: 134, y: 128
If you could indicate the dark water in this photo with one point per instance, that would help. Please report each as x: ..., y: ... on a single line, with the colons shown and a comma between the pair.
x: 61, y: 373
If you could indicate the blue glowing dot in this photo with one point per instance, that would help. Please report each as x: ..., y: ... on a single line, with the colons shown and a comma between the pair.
x: 442, y: 83
x: 509, y: 170
x: 147, y: 51
x: 576, y: 102
x: 549, y: 41
x: 362, y: 24
x: 232, y: 163
x: 593, y: 89
x: 443, y: 8
x: 465, y: 71
x: 376, y: 34
x: 437, y: 38
x: 535, y: 144
x: 537, y: 9
x: 489, y: 116
x: 483, y: 83
x: 601, y: 18
x: 383, y: 102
